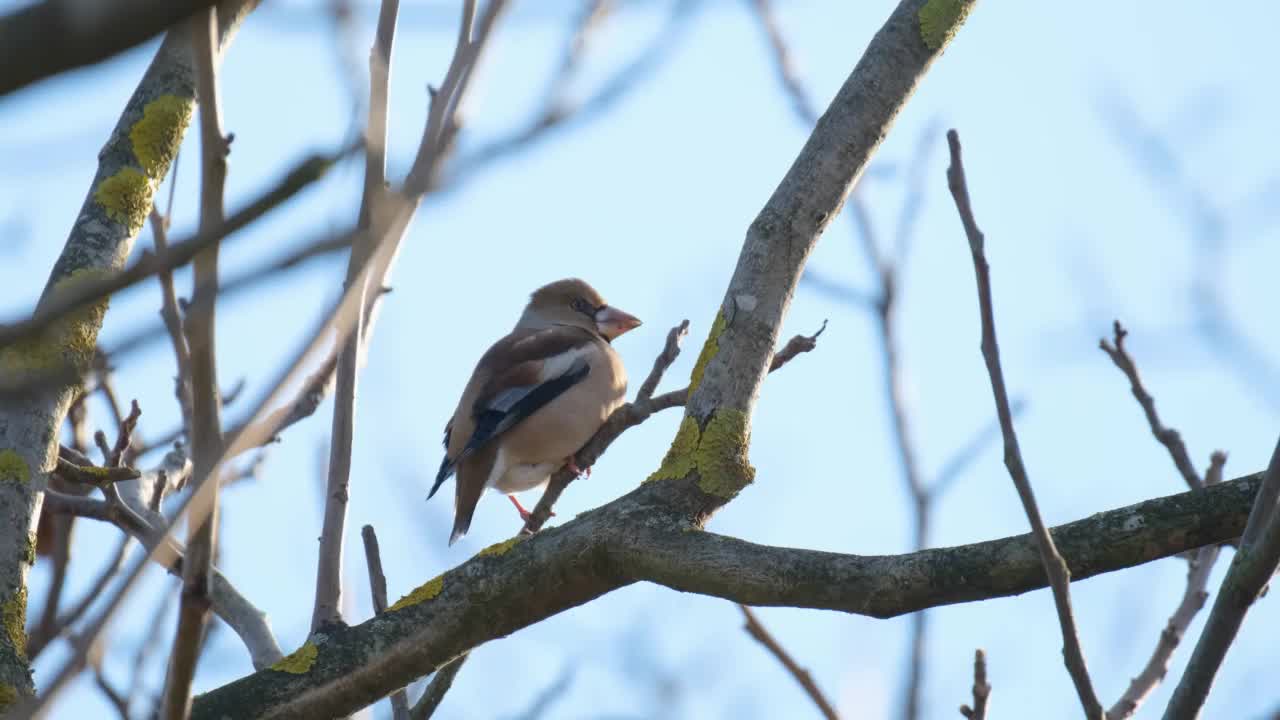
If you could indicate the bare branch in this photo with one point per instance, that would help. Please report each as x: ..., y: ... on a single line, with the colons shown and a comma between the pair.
x: 795, y: 346
x: 378, y: 589
x: 1055, y: 566
x: 436, y: 689
x: 1193, y: 598
x: 206, y: 405
x: 765, y: 638
x: 1251, y: 569
x: 173, y: 317
x: 981, y: 689
x: 229, y: 605
x: 361, y: 278
x: 1166, y: 435
x: 640, y: 538
x: 50, y: 37
x: 669, y: 353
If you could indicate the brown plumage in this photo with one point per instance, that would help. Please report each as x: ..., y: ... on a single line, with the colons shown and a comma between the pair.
x: 536, y: 396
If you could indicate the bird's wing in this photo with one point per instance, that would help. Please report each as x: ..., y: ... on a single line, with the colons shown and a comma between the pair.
x: 517, y: 377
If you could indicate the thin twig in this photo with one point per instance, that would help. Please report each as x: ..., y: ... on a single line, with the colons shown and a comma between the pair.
x: 1201, y: 561
x: 172, y: 316
x: 765, y: 638
x: 1055, y: 567
x: 1251, y: 569
x: 206, y: 405
x: 981, y: 688
x: 633, y: 413
x: 363, y: 275
x: 1166, y: 435
x: 1193, y: 598
x: 437, y: 688
x: 328, y: 594
x: 94, y: 476
x: 670, y: 351
x: 378, y: 591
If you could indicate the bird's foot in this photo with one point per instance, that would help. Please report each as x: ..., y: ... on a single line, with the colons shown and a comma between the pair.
x: 573, y: 465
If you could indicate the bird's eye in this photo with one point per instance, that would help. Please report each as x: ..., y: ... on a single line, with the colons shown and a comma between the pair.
x: 583, y: 307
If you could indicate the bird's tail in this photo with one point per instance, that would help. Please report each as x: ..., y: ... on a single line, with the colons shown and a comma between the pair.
x: 446, y: 469
x: 461, y: 524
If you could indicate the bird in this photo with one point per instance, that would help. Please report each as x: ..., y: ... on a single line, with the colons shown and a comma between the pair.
x: 535, y: 397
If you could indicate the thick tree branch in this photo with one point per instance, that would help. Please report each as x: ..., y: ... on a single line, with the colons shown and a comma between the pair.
x: 638, y: 538
x: 44, y: 39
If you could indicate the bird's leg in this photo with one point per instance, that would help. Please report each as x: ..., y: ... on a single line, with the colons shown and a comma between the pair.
x: 524, y: 514
x: 572, y: 464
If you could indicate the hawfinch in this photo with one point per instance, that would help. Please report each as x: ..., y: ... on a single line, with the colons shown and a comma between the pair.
x: 535, y: 397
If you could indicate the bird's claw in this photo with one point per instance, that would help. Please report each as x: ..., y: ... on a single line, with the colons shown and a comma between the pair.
x: 573, y: 466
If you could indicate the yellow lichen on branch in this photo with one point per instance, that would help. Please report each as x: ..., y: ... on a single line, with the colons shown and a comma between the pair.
x: 13, y: 468
x: 126, y: 197
x: 940, y: 19
x: 67, y: 343
x: 157, y: 135
x: 709, y: 350
x: 299, y: 661
x: 718, y: 453
x: 423, y: 593
x: 14, y: 615
x: 500, y: 548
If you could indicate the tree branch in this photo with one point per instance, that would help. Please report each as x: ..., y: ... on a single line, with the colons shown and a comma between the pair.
x: 206, y: 405
x: 378, y: 590
x: 50, y: 37
x: 981, y: 689
x: 1165, y: 435
x: 640, y: 538
x: 1058, y: 572
x: 1251, y: 569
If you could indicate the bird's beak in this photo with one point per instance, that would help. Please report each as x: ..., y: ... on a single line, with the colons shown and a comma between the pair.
x: 612, y: 322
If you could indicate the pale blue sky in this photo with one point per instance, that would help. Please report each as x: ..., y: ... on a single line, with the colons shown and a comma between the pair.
x: 650, y: 203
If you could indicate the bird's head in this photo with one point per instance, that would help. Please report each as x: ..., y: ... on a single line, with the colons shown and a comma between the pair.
x: 574, y: 302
